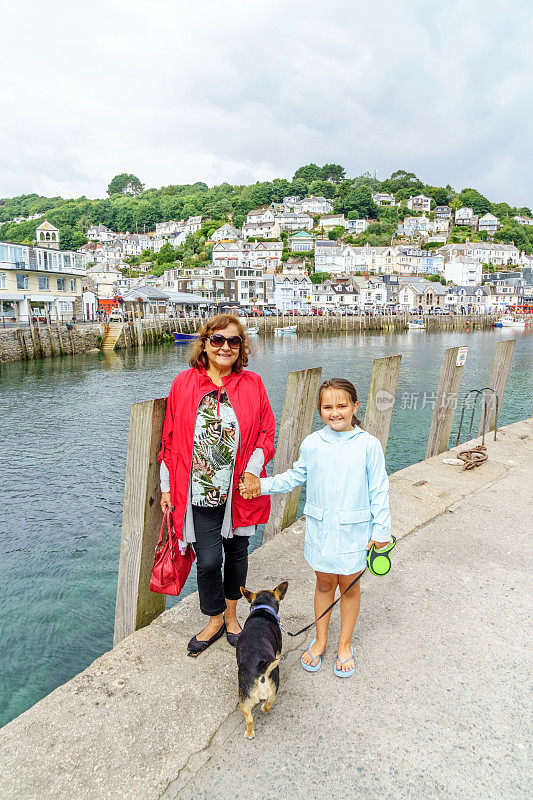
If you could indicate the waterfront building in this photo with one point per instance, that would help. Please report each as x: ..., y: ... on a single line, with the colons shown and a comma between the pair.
x: 463, y: 271
x: 419, y: 203
x: 421, y: 295
x: 292, y: 291
x: 489, y: 223
x: 218, y: 285
x: 102, y: 279
x: 301, y: 242
x: 338, y: 258
x: 335, y: 293
x: 40, y: 279
x: 468, y: 299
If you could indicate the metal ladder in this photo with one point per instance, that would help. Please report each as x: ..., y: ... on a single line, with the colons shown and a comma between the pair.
x: 477, y: 393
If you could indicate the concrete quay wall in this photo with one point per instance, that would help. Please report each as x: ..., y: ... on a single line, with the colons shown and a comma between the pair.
x: 441, y: 636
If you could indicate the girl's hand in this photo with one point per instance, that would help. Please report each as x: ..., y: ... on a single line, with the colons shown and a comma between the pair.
x: 379, y: 545
x: 249, y: 486
x: 165, y: 501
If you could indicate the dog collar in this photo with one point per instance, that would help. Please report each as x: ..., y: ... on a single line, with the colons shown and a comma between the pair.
x: 266, y: 608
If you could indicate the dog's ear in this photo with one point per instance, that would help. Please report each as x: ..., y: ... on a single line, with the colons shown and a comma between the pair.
x: 279, y: 591
x: 246, y: 593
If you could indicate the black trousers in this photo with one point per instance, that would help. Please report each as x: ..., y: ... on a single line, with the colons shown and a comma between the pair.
x: 214, y: 590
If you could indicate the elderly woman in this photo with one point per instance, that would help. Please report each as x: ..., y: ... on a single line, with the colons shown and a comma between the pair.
x: 219, y: 429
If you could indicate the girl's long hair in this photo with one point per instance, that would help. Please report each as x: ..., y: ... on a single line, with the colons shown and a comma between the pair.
x: 198, y: 355
x: 344, y: 386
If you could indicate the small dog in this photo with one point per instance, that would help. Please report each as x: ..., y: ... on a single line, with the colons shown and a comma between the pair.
x: 259, y: 653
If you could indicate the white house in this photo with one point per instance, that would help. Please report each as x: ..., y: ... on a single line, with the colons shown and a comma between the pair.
x: 244, y: 254
x: 443, y: 212
x: 463, y: 271
x: 227, y: 233
x: 495, y: 253
x: 171, y: 226
x: 489, y: 223
x: 263, y: 214
x: 464, y: 216
x: 338, y: 258
x: 356, y: 226
x: 262, y: 229
x: 383, y: 199
x: 100, y: 233
x: 419, y: 203
x: 294, y: 221
x: 193, y: 224
x: 468, y: 299
x: 523, y: 220
x: 314, y: 205
x: 330, y: 221
x: 339, y: 293
x: 292, y: 291
x: 421, y: 225
x: 301, y: 242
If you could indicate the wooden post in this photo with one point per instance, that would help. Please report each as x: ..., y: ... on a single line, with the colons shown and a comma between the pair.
x: 296, y: 421
x: 445, y: 403
x: 32, y: 330
x: 22, y: 340
x: 50, y: 336
x: 381, y: 394
x: 501, y: 363
x: 136, y: 605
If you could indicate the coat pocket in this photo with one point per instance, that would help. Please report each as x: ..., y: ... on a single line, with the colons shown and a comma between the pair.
x: 313, y: 524
x: 354, y: 529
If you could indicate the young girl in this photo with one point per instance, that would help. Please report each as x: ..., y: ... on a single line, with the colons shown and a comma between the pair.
x: 346, y: 509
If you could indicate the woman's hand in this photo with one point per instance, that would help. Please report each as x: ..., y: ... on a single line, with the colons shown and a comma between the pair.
x: 249, y: 486
x: 379, y: 545
x: 165, y: 501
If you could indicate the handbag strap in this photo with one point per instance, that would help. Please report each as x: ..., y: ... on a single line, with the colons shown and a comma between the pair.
x: 166, y: 518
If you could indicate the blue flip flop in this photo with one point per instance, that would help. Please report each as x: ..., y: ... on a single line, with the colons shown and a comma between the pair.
x: 347, y: 673
x: 309, y: 667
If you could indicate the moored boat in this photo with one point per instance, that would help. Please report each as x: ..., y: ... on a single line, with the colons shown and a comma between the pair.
x: 507, y: 321
x: 252, y: 329
x: 417, y: 325
x: 183, y: 338
x: 286, y: 329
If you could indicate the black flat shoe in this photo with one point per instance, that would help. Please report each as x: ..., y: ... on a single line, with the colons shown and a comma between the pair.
x: 195, y: 647
x: 233, y: 638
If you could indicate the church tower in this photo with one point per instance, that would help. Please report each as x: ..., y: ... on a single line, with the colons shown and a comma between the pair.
x: 47, y: 236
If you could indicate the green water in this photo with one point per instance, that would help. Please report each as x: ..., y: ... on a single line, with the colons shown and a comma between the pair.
x: 63, y: 456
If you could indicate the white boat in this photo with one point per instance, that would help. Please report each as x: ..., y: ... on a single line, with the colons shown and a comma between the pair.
x: 286, y: 329
x: 418, y: 325
x: 252, y: 329
x: 507, y: 321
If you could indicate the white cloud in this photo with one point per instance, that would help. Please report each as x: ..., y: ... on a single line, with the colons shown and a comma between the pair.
x: 178, y: 91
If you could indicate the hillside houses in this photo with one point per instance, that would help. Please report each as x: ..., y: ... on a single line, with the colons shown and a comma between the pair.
x: 495, y: 253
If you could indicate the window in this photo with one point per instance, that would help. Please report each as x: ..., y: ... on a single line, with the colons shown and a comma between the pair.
x: 2, y: 280
x: 61, y: 287
x: 44, y: 283
x: 23, y: 282
x: 73, y: 284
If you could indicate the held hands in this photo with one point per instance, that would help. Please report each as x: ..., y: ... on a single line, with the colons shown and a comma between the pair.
x: 249, y: 486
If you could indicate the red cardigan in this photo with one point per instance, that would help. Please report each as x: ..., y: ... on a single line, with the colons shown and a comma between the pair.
x: 247, y: 395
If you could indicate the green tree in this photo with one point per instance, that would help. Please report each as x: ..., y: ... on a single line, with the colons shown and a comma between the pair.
x: 125, y: 184
x: 360, y: 200
x: 307, y: 173
x: 471, y: 198
x: 332, y: 172
x: 320, y: 277
x: 322, y: 189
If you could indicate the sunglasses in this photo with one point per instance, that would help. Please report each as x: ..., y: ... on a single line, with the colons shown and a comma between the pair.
x: 218, y: 340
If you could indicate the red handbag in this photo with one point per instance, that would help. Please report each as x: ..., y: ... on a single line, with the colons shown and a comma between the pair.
x: 171, y: 568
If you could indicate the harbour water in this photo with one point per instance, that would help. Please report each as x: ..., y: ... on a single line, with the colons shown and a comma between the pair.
x: 63, y: 456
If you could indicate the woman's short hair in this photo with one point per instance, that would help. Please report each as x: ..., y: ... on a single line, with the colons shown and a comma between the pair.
x: 198, y: 355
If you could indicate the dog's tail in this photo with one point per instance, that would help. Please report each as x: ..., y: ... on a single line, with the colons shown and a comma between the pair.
x: 270, y: 666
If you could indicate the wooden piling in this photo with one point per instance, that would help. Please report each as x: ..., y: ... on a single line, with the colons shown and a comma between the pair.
x: 501, y: 364
x: 296, y: 422
x: 445, y: 403
x: 136, y: 605
x: 381, y: 394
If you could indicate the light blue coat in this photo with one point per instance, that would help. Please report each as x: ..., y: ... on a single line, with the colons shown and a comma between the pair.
x: 347, y: 502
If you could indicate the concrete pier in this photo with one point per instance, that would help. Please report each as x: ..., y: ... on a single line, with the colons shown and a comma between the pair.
x: 438, y: 706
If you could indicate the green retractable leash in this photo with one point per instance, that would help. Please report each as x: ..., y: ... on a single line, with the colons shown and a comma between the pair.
x: 378, y: 561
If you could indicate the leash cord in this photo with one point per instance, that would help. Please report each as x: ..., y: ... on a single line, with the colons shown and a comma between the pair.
x: 327, y: 609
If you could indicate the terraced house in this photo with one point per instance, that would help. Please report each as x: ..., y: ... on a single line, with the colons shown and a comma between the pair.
x: 35, y: 280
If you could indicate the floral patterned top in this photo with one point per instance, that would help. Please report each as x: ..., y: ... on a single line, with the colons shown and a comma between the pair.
x: 214, y: 450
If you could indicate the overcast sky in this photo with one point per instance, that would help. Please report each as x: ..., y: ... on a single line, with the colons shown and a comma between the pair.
x: 246, y: 90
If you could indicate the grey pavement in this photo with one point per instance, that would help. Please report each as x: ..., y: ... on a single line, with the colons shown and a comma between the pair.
x: 438, y: 708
